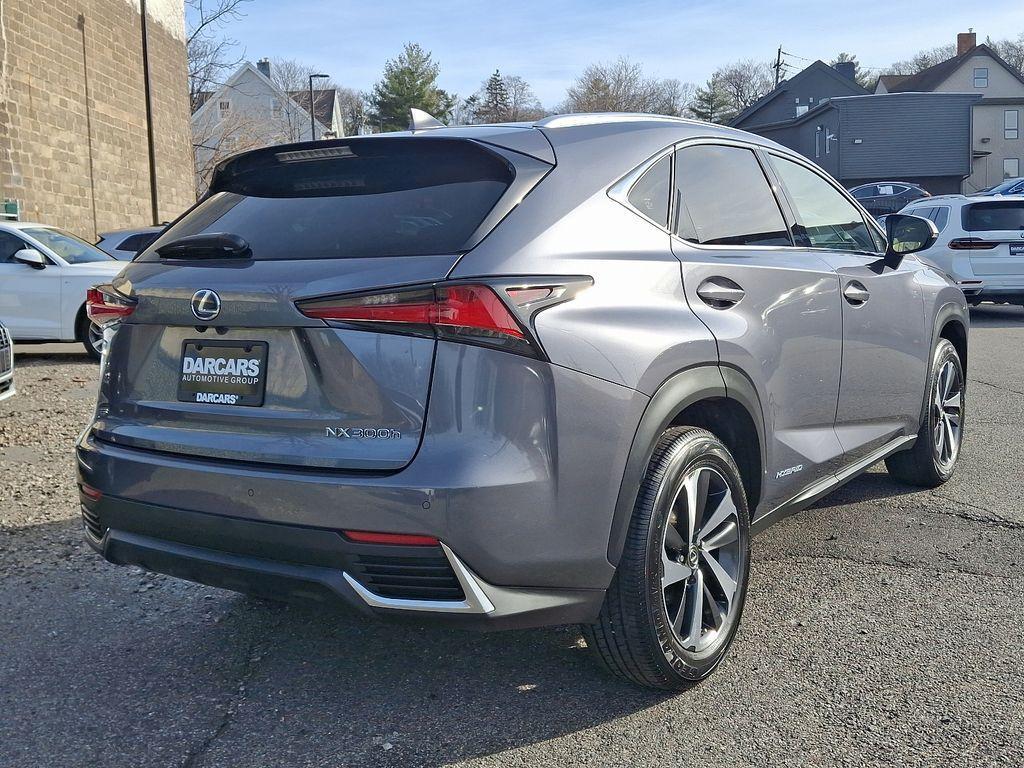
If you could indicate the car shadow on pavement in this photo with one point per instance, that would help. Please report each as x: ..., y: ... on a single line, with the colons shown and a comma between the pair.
x: 997, y: 316
x: 171, y: 667
x: 875, y: 484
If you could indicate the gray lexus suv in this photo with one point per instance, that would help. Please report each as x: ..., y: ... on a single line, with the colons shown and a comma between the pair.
x: 511, y: 376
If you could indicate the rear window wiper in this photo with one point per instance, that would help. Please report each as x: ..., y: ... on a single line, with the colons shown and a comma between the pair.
x: 210, y: 245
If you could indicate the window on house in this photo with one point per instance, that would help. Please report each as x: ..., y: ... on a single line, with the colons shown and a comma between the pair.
x: 1011, y: 168
x: 801, y: 109
x: 817, y: 142
x: 1011, y: 124
x: 981, y: 77
x: 225, y: 108
x: 276, y: 108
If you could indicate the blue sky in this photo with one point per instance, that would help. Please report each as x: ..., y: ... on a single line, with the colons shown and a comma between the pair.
x: 549, y: 43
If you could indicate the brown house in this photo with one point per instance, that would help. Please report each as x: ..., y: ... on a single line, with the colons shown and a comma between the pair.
x: 75, y: 131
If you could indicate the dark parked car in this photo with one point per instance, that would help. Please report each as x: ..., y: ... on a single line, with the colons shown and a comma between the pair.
x: 1008, y: 187
x: 883, y: 197
x: 513, y: 376
x: 125, y: 244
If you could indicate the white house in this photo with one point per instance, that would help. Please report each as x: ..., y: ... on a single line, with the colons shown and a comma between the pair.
x: 997, y: 123
x: 250, y: 111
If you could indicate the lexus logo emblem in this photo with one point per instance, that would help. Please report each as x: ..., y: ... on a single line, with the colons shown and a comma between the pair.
x: 205, y: 304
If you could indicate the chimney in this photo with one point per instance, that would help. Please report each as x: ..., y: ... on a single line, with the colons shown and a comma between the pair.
x: 965, y: 41
x: 847, y: 69
x: 263, y: 65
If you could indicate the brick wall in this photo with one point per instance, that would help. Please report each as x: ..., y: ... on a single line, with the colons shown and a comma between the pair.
x: 73, y: 146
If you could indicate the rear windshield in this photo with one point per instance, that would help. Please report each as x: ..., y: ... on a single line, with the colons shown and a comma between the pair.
x: 989, y: 217
x: 366, y: 198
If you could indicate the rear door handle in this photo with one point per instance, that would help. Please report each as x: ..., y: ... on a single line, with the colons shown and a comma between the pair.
x: 855, y: 293
x: 720, y: 292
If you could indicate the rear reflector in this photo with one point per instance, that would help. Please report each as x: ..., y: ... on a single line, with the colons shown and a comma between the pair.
x: 89, y: 492
x: 971, y: 244
x: 394, y: 539
x: 104, y: 305
x: 469, y: 313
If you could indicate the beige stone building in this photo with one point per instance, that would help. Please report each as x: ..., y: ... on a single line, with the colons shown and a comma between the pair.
x: 74, y: 131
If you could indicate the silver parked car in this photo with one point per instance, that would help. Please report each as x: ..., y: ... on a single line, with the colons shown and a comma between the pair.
x: 511, y: 376
x: 6, y: 364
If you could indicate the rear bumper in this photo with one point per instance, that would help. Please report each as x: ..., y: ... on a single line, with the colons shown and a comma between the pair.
x: 1009, y: 294
x: 317, y: 566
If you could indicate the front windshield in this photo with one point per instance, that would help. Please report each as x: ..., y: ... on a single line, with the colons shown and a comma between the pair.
x: 67, y: 246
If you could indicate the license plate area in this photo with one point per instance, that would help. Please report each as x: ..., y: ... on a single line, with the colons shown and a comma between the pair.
x: 223, y: 372
x: 1017, y: 249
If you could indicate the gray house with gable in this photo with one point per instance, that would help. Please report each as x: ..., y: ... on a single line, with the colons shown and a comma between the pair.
x: 801, y: 93
x: 923, y: 138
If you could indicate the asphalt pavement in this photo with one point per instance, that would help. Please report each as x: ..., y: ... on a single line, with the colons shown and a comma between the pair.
x: 885, y: 626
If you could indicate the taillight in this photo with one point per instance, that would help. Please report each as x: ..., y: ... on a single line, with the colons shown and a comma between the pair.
x: 971, y: 244
x: 470, y: 313
x: 104, y: 305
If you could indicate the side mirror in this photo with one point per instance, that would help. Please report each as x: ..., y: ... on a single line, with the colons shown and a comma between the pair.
x: 32, y: 257
x: 907, y: 234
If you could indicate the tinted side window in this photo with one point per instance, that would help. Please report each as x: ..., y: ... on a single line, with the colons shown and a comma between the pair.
x: 9, y: 245
x: 136, y: 243
x: 862, y: 193
x: 941, y: 217
x: 723, y: 198
x: 826, y: 218
x: 650, y: 195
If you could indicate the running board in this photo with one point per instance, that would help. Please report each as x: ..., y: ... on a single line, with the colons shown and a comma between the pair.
x: 826, y: 485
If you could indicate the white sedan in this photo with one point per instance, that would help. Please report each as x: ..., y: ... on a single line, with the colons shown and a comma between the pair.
x: 44, y: 276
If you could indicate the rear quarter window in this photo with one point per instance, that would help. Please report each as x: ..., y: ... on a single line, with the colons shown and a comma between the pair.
x: 367, y: 198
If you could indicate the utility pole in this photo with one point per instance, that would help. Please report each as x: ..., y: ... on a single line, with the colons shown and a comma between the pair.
x: 778, y: 66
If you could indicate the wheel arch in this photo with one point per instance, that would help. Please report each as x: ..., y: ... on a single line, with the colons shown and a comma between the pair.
x: 81, y: 324
x: 719, y: 399
x: 950, y: 325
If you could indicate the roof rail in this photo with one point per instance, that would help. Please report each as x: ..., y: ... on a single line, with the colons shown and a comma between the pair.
x: 600, y: 118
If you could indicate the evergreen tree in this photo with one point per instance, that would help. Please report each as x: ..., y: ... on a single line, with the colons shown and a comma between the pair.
x: 410, y: 80
x: 711, y: 104
x: 496, y: 105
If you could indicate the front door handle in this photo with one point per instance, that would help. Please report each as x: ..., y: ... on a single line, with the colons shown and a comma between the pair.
x: 855, y: 293
x: 720, y: 292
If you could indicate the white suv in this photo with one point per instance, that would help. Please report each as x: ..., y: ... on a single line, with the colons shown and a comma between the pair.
x: 45, y: 274
x: 981, y: 243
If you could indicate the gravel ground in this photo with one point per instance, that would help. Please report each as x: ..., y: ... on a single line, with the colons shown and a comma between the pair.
x: 884, y: 626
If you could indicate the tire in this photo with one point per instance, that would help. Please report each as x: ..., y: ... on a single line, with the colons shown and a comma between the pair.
x: 91, y: 337
x: 639, y: 634
x: 933, y: 458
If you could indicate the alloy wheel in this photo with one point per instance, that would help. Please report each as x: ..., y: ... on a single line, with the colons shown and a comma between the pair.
x: 96, y: 339
x: 701, y: 561
x: 947, y: 414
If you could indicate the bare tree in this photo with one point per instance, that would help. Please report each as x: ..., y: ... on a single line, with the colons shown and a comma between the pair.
x: 622, y: 86
x: 744, y: 82
x: 522, y: 104
x: 210, y: 53
x: 1011, y: 51
x: 922, y: 60
x: 215, y: 138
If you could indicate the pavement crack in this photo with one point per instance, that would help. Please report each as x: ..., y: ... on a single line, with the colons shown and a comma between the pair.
x: 991, y: 517
x: 996, y: 386
x: 895, y: 563
x: 252, y: 659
